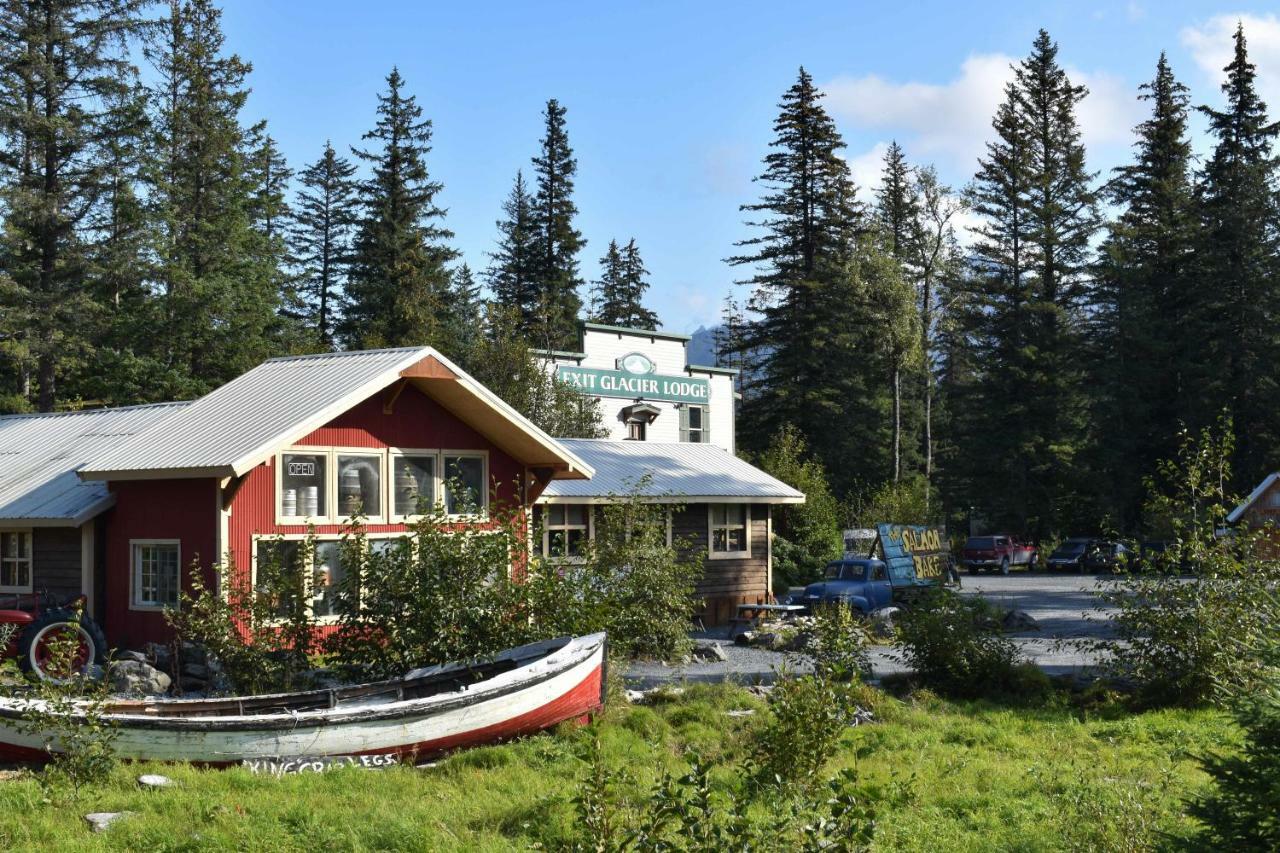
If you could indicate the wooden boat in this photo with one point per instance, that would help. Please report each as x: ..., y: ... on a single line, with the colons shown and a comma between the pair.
x: 427, y: 712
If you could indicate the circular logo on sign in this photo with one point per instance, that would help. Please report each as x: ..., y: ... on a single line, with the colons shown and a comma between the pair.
x: 636, y: 362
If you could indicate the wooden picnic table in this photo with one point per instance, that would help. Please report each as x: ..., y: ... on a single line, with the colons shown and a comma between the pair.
x: 753, y: 612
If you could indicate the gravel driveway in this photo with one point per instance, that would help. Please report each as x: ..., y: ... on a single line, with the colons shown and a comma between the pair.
x: 1065, y: 606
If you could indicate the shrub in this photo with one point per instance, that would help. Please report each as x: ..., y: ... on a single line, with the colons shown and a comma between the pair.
x: 807, y: 535
x: 807, y: 718
x: 1183, y: 640
x: 840, y: 643
x: 69, y: 716
x: 260, y: 636
x: 1240, y: 813
x: 954, y: 645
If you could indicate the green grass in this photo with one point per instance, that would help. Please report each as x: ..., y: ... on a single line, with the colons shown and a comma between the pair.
x: 969, y: 776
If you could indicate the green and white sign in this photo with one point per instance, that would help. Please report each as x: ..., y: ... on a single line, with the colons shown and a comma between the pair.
x: 635, y: 379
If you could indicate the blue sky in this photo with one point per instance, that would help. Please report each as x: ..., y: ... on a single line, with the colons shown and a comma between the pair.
x: 671, y: 104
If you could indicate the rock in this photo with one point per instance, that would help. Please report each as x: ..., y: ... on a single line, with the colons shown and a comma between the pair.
x: 635, y: 697
x: 195, y: 670
x: 769, y: 641
x: 154, y: 780
x: 192, y: 685
x: 129, y: 654
x: 99, y: 821
x: 191, y: 653
x: 744, y: 712
x: 710, y: 653
x: 130, y: 677
x: 95, y: 672
x: 745, y: 638
x: 883, y: 620
x: 1019, y: 620
x: 157, y: 655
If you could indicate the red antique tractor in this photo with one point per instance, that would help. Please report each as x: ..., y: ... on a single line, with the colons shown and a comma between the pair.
x: 41, y: 623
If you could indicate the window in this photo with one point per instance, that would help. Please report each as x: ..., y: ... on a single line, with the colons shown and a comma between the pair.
x: 413, y: 483
x: 156, y: 578
x: 15, y: 561
x: 303, y: 492
x: 465, y: 479
x: 325, y: 592
x: 729, y: 529
x: 694, y: 427
x: 878, y: 573
x: 327, y: 574
x: 359, y: 484
x: 635, y: 431
x: 566, y: 530
x: 1275, y: 499
x: 277, y: 562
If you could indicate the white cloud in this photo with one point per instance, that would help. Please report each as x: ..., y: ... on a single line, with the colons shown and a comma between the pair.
x: 950, y: 123
x: 1212, y: 47
x: 866, y: 168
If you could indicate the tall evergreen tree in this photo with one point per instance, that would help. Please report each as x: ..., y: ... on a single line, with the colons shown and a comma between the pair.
x: 321, y: 235
x: 399, y: 272
x: 64, y: 69
x: 464, y: 313
x: 621, y: 287
x: 896, y: 204
x: 217, y: 272
x: 554, y: 323
x: 1143, y: 291
x: 1032, y: 191
x: 1236, y: 315
x: 809, y: 295
x: 510, y: 274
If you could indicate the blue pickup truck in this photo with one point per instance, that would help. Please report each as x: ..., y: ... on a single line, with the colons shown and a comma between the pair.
x: 862, y: 584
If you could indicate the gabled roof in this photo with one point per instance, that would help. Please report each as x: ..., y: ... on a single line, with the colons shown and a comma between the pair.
x: 1239, y: 511
x: 679, y: 473
x: 39, y: 455
x: 234, y: 428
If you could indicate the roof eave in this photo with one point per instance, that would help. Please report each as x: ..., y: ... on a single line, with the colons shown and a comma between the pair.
x: 217, y: 471
x: 671, y: 499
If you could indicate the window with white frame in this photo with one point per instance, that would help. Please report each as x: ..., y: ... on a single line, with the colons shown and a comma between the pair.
x: 15, y: 561
x: 156, y: 573
x: 413, y: 482
x: 304, y: 485
x: 359, y: 483
x: 728, y: 529
x: 284, y: 570
x: 465, y: 479
x: 565, y: 530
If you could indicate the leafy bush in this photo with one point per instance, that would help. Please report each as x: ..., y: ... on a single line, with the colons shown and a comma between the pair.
x: 807, y: 718
x: 260, y: 636
x: 1183, y: 640
x: 840, y: 643
x: 955, y: 646
x: 1241, y: 811
x: 69, y: 716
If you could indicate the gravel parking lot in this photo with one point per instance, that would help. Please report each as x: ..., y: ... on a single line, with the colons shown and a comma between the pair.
x: 1065, y: 607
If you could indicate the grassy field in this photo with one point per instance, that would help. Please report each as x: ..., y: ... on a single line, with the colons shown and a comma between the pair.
x: 967, y: 776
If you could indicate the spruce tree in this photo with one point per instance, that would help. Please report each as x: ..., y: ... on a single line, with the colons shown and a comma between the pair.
x: 1236, y: 314
x: 810, y: 298
x: 621, y: 287
x: 554, y: 322
x: 218, y: 272
x: 896, y: 204
x: 1143, y: 290
x: 1032, y: 191
x: 327, y: 212
x: 64, y: 70
x: 510, y: 274
x: 399, y: 270
x: 464, y: 311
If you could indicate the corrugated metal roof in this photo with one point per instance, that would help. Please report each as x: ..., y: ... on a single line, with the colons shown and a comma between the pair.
x: 224, y: 429
x: 39, y: 455
x: 683, y: 471
x: 1239, y: 511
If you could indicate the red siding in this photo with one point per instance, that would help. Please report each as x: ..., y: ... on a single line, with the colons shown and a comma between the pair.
x: 417, y: 422
x: 185, y: 510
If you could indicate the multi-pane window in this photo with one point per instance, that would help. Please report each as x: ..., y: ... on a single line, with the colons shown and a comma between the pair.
x: 566, y: 530
x: 359, y: 484
x: 635, y: 431
x: 302, y: 485
x: 156, y: 578
x: 286, y: 574
x: 464, y: 484
x: 693, y: 425
x: 413, y: 484
x: 15, y: 561
x: 328, y: 576
x: 728, y: 528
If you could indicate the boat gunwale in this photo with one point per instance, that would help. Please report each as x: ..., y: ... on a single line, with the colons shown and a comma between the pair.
x: 421, y: 707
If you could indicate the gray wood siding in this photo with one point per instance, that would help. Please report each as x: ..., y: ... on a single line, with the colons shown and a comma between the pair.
x: 56, y: 560
x: 725, y: 583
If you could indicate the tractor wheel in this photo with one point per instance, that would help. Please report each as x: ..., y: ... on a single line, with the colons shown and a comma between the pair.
x: 35, y: 647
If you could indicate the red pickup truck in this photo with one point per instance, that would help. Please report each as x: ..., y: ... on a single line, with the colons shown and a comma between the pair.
x: 996, y: 552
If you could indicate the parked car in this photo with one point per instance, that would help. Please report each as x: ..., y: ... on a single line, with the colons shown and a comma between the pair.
x: 1108, y: 557
x: 1000, y: 552
x: 860, y: 584
x: 1070, y: 555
